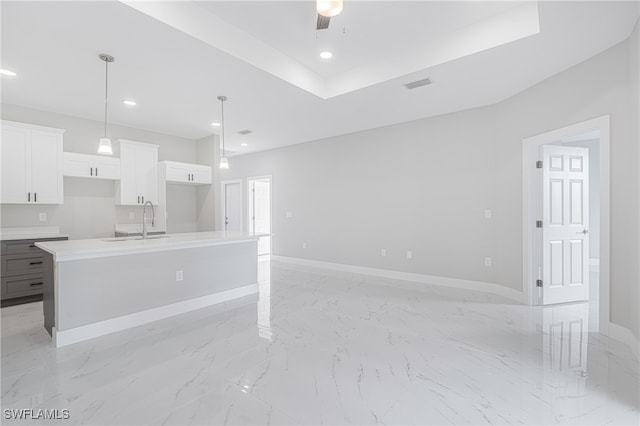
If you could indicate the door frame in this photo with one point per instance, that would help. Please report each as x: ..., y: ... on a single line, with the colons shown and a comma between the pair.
x: 223, y: 202
x: 532, y: 207
x: 250, y: 205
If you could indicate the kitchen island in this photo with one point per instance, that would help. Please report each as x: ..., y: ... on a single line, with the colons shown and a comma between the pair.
x: 100, y: 286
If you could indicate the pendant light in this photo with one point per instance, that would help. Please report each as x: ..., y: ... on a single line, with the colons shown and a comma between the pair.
x: 224, y: 163
x: 105, y: 143
x: 329, y: 8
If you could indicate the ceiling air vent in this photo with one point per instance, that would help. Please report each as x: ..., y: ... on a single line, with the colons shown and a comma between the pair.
x: 245, y: 132
x: 418, y: 83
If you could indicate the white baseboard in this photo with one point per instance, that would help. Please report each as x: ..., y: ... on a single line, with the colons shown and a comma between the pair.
x: 594, y: 265
x: 112, y: 325
x: 625, y: 335
x: 408, y: 276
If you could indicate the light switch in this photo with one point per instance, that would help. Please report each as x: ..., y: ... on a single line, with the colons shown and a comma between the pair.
x: 487, y: 214
x: 43, y: 217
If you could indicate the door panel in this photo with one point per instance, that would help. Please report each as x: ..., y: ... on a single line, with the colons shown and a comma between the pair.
x: 261, y: 213
x: 233, y: 207
x: 147, y: 162
x: 14, y: 154
x: 46, y: 162
x: 565, y: 224
x: 128, y: 177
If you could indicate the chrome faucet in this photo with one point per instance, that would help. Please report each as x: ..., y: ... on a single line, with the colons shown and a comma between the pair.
x: 144, y: 218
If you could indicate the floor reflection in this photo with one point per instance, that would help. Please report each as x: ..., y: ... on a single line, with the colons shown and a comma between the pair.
x: 264, y: 298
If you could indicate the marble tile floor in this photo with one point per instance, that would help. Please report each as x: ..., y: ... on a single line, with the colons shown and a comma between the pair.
x: 325, y: 347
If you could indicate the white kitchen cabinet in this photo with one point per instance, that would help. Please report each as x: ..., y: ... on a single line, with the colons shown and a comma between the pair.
x: 91, y: 166
x: 186, y: 173
x: 31, y: 164
x: 138, y: 173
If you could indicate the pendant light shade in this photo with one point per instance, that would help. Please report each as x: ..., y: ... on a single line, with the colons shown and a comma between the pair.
x: 329, y: 8
x: 104, y: 147
x: 224, y: 162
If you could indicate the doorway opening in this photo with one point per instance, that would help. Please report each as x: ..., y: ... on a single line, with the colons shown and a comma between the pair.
x: 259, y: 210
x: 566, y: 224
x: 231, y: 217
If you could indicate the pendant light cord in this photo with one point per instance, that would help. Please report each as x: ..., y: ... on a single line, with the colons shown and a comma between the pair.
x: 106, y: 91
x: 222, y: 102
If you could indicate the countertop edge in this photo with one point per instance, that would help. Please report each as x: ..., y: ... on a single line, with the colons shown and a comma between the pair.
x: 100, y: 252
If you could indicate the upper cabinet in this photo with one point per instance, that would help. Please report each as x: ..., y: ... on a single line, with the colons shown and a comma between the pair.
x: 91, y: 166
x: 186, y: 173
x: 31, y: 164
x: 138, y: 173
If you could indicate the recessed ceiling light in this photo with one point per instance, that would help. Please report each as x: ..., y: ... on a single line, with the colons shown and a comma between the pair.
x: 215, y: 123
x: 8, y: 73
x: 129, y: 102
x: 243, y: 144
x: 325, y: 54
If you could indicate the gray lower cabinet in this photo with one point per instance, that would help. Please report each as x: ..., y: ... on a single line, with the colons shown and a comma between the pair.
x: 23, y: 270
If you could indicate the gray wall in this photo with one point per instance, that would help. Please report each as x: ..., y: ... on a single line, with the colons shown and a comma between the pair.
x: 633, y: 295
x: 88, y: 210
x: 424, y: 185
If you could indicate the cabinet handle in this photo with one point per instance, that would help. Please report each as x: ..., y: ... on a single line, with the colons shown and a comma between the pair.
x: 28, y: 196
x: 143, y: 199
x: 33, y: 284
x: 35, y: 263
x: 138, y: 199
x: 91, y: 168
x: 35, y: 197
x: 96, y: 171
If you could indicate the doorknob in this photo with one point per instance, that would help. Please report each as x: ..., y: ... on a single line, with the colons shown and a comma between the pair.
x: 584, y: 231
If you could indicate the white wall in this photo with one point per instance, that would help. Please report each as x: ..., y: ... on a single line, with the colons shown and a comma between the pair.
x: 424, y: 185
x: 89, y: 210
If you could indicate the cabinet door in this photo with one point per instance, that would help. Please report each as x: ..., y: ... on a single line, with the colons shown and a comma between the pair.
x: 128, y: 175
x: 14, y: 152
x: 201, y: 174
x: 46, y: 167
x: 178, y: 172
x: 106, y: 168
x: 78, y: 165
x: 147, y: 170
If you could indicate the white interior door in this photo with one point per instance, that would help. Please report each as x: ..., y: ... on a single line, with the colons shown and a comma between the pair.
x: 261, y: 212
x: 565, y: 231
x: 232, y: 206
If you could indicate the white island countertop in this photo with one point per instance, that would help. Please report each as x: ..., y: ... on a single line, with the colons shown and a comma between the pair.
x: 107, y: 247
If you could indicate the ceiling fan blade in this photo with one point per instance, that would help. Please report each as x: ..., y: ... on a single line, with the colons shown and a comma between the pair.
x: 323, y: 22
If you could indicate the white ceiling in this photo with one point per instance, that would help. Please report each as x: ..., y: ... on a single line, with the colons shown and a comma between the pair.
x: 263, y: 56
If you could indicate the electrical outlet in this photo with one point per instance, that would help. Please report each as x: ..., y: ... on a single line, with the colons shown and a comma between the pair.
x: 487, y: 214
x: 179, y: 275
x: 304, y: 245
x: 132, y: 215
x: 383, y: 252
x: 289, y: 215
x: 409, y: 254
x: 487, y: 261
x: 43, y: 217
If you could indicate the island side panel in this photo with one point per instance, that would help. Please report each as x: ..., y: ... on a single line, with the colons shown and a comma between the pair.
x: 48, y: 292
x: 99, y: 289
